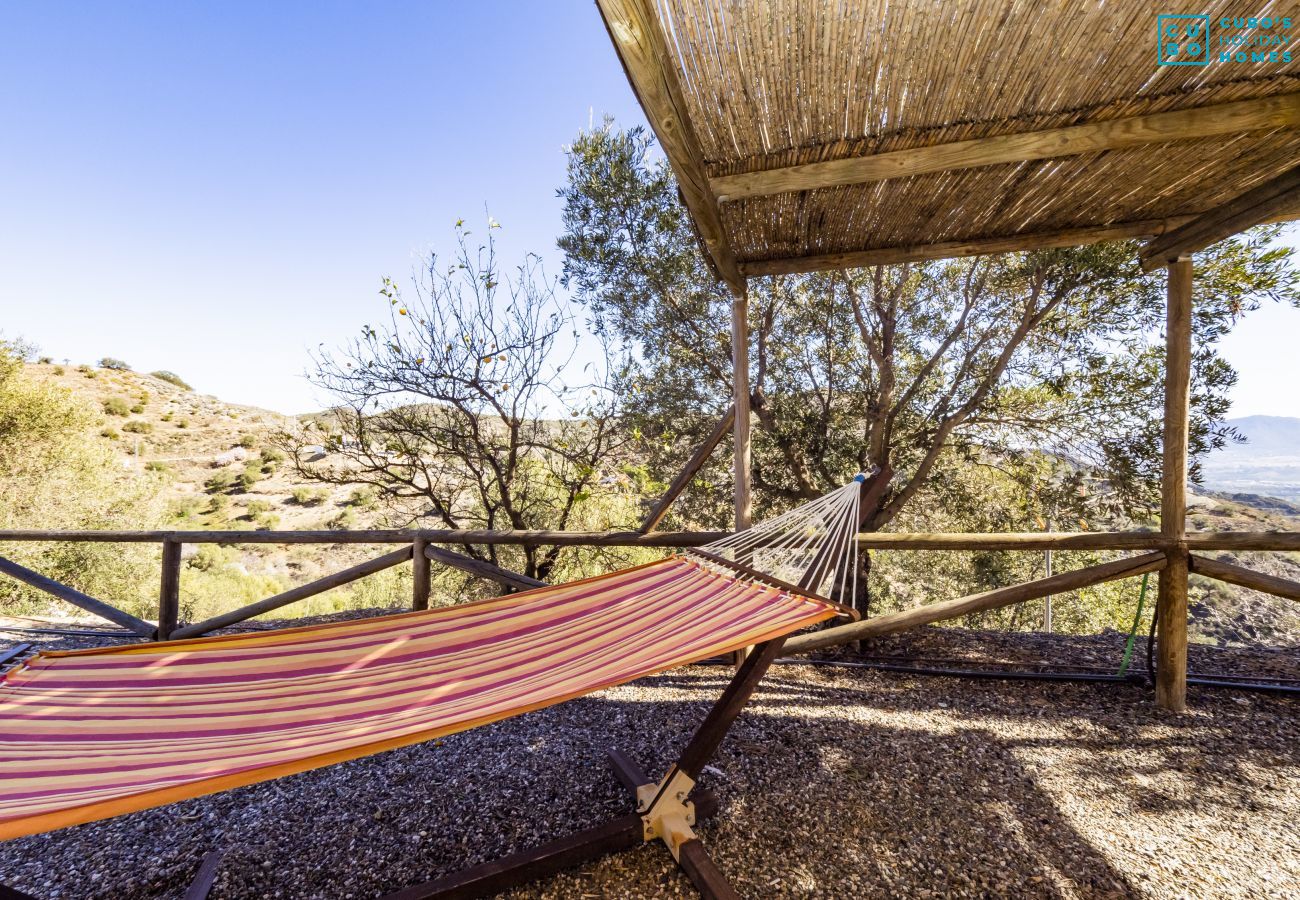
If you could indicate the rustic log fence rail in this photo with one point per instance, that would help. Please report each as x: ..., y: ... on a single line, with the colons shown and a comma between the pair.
x: 422, y: 547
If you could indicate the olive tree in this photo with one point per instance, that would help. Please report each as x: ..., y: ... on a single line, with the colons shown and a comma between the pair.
x: 458, y: 408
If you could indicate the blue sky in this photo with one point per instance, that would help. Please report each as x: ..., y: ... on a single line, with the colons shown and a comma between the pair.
x: 215, y: 189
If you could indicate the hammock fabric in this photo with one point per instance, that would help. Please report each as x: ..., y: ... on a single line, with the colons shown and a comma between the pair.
x: 85, y: 735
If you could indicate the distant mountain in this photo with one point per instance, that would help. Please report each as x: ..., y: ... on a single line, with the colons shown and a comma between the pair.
x: 1267, y: 463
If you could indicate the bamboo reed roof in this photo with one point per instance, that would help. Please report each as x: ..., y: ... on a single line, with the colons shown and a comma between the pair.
x: 745, y: 95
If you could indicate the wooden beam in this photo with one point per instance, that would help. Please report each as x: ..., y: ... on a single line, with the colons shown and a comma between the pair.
x: 888, y: 256
x: 973, y: 603
x: 483, y: 569
x: 1242, y: 577
x: 311, y: 589
x: 77, y: 598
x: 1274, y: 197
x: 169, y: 592
x: 1013, y: 540
x: 1117, y: 134
x: 1171, y: 598
x: 384, y: 536
x: 650, y: 67
x: 693, y: 465
x: 877, y: 540
x: 1243, y: 540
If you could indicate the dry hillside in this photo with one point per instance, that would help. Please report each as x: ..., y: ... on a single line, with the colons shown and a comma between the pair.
x: 200, y: 443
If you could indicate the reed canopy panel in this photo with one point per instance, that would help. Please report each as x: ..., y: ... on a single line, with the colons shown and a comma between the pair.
x: 816, y: 134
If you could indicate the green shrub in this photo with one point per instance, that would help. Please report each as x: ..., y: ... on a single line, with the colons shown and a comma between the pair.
x: 117, y: 365
x: 343, y: 521
x: 116, y: 406
x: 138, y: 408
x: 305, y: 496
x: 156, y: 466
x: 167, y: 417
x: 84, y: 369
x: 183, y: 423
x: 256, y: 508
x: 187, y: 509
x: 247, y: 441
x: 220, y: 482
x: 248, y: 478
x: 58, y: 370
x: 45, y: 360
x: 138, y: 426
x: 362, y: 497
x: 218, y: 510
x: 110, y: 433
x: 271, y: 459
x: 213, y: 582
x: 171, y: 378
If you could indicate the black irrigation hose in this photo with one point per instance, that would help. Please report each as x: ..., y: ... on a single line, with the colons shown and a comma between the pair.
x: 71, y: 632
x: 993, y: 674
x: 1245, y: 685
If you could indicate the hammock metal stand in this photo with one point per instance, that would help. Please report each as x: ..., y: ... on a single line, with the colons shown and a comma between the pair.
x: 665, y: 811
x: 198, y: 888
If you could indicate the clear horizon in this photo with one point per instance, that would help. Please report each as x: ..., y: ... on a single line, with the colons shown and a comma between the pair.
x: 219, y: 192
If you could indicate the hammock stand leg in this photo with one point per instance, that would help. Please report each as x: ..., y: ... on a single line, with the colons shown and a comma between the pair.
x: 628, y: 831
x: 198, y: 888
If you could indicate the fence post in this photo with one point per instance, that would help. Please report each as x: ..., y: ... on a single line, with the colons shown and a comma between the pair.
x: 420, y: 575
x: 169, y: 596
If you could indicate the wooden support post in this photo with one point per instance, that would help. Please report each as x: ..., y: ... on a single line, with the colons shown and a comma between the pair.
x: 1171, y: 603
x: 419, y: 574
x: 169, y: 594
x: 742, y: 458
x: 740, y: 394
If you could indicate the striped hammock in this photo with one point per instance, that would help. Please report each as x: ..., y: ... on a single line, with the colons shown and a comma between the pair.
x: 89, y: 734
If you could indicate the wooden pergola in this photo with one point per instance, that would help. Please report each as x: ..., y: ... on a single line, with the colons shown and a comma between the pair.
x: 809, y: 135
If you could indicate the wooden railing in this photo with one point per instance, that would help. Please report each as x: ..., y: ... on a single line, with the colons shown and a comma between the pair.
x: 423, y: 547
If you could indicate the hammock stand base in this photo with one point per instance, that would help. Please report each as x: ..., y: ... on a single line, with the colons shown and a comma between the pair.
x: 198, y: 888
x: 632, y: 829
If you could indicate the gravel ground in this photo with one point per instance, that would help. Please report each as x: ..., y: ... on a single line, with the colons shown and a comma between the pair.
x: 835, y: 783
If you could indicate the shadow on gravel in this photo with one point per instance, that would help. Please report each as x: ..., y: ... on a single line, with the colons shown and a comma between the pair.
x: 834, y: 785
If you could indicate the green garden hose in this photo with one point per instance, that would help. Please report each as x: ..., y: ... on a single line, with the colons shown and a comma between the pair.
x: 1132, y: 632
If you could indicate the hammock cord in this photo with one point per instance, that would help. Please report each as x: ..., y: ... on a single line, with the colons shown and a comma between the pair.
x: 813, y: 546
